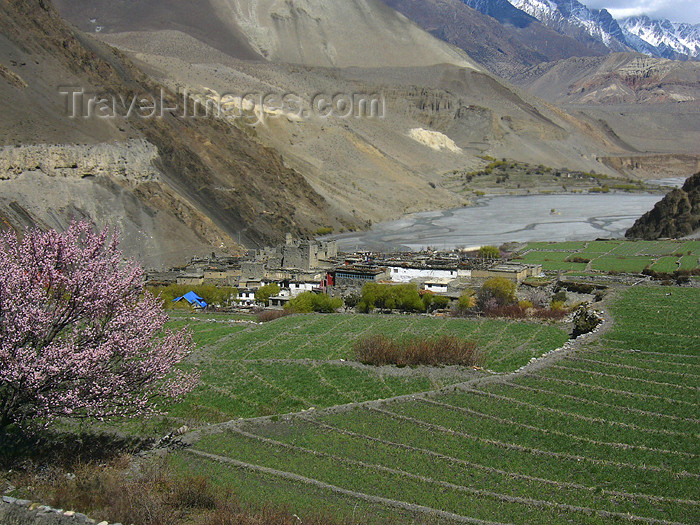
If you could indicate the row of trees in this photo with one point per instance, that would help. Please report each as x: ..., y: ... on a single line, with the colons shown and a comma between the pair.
x: 496, y: 297
x: 402, y: 297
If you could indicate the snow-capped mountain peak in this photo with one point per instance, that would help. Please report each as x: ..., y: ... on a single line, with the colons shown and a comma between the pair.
x: 667, y: 37
x: 570, y: 16
x: 596, y: 28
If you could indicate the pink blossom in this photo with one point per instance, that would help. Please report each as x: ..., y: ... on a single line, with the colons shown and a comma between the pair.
x: 79, y: 336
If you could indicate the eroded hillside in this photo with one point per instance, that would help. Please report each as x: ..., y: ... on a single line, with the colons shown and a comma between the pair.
x: 213, y: 182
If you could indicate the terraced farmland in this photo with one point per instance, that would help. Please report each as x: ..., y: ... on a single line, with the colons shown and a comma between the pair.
x: 299, y: 362
x: 619, y: 256
x: 606, y: 432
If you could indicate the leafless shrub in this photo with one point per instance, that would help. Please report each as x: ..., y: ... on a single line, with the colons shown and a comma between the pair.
x: 194, y: 492
x: 270, y: 315
x: 550, y: 314
x: 516, y: 311
x: 538, y: 297
x: 379, y: 350
x: 108, y: 491
x: 511, y: 311
x: 155, y: 495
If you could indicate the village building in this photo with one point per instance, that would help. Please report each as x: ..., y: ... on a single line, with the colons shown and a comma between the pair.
x: 246, y: 297
x: 438, y: 286
x: 301, y: 255
x: 513, y: 271
x: 191, y: 278
x: 358, y: 275
x: 216, y: 276
x: 407, y: 274
x: 279, y: 301
x: 299, y: 287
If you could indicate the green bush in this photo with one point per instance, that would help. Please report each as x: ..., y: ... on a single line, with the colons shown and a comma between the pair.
x: 440, y: 302
x: 324, y: 230
x: 558, y: 306
x: 404, y: 297
x: 263, y: 294
x: 308, y: 302
x: 465, y: 303
x: 559, y: 297
x: 498, y: 288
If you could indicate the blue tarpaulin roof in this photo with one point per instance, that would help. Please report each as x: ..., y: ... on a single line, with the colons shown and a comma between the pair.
x: 192, y: 298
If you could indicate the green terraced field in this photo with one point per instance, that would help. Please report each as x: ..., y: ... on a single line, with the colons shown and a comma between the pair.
x: 608, y: 433
x: 304, y: 361
x: 620, y: 256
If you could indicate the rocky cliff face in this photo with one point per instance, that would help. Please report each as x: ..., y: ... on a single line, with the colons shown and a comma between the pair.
x: 131, y: 162
x: 677, y: 215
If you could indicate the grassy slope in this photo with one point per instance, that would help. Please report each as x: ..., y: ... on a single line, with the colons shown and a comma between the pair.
x: 610, y: 429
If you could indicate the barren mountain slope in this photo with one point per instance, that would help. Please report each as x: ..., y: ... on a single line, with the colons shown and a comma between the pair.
x: 311, y: 32
x: 197, y: 19
x: 379, y: 168
x: 190, y: 186
x: 620, y: 78
x: 652, y: 105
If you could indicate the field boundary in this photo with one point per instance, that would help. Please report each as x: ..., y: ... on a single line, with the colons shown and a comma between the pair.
x: 410, y: 507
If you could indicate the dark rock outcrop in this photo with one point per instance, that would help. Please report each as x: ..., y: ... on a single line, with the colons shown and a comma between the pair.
x: 677, y: 215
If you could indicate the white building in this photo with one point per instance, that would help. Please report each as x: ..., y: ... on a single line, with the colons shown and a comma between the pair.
x: 296, y: 288
x: 437, y: 285
x: 246, y: 297
x: 401, y: 274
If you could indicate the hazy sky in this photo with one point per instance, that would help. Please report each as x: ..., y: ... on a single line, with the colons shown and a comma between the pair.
x: 674, y: 10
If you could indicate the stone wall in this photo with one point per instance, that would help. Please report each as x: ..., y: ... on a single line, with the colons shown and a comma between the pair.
x: 24, y: 512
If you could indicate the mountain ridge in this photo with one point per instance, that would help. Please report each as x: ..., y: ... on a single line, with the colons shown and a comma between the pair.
x: 659, y: 38
x: 665, y: 38
x: 503, y: 48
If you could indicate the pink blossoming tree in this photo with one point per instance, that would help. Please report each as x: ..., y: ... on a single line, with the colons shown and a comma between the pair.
x: 79, y: 337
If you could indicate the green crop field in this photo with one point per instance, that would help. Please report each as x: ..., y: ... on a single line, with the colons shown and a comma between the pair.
x: 608, y: 432
x: 619, y: 256
x: 306, y: 361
